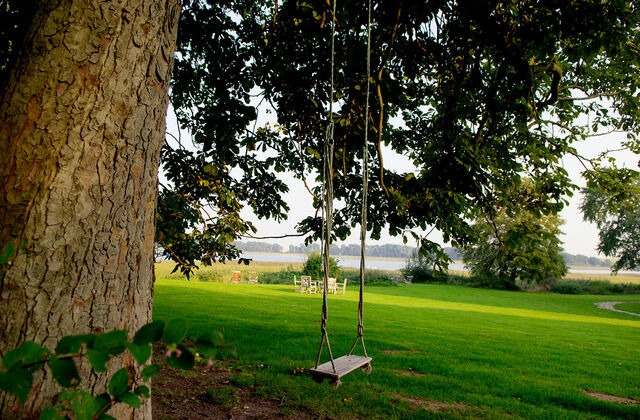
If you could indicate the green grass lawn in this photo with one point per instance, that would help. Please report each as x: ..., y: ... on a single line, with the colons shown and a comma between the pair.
x: 629, y: 307
x: 497, y: 354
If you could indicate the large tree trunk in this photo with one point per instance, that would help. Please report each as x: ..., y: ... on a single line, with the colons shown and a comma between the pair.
x: 82, y: 120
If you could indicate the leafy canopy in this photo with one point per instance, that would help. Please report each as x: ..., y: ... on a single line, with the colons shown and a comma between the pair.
x: 475, y: 94
x: 514, y: 248
x: 611, y: 202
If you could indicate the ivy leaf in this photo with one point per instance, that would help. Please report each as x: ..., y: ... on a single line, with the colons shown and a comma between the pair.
x: 85, y: 406
x: 149, y: 333
x: 140, y: 352
x: 52, y: 413
x: 73, y: 343
x: 185, y: 361
x: 119, y: 383
x: 64, y: 371
x: 17, y: 381
x: 174, y: 331
x: 112, y: 342
x: 28, y: 353
x: 98, y: 359
x: 7, y: 252
x: 150, y: 371
x: 143, y: 391
x: 131, y: 399
x: 208, y: 343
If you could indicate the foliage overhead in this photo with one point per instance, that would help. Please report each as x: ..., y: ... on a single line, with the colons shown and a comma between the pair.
x: 516, y: 246
x: 611, y: 202
x: 475, y: 94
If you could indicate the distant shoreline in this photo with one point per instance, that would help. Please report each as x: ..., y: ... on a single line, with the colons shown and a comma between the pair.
x: 348, y: 257
x: 353, y: 257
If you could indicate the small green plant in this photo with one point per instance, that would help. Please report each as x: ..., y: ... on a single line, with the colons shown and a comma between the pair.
x: 280, y: 277
x: 242, y: 379
x: 225, y: 396
x: 19, y: 365
x: 371, y: 277
x: 313, y: 267
x: 419, y: 269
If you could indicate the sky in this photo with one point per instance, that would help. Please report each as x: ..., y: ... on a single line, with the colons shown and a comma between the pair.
x: 579, y: 237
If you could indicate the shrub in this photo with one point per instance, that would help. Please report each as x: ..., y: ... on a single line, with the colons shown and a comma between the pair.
x: 420, y: 269
x: 371, y: 277
x: 593, y: 287
x: 313, y: 267
x: 279, y: 277
x: 18, y: 366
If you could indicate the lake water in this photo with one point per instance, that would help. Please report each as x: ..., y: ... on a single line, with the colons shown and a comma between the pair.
x: 378, y: 264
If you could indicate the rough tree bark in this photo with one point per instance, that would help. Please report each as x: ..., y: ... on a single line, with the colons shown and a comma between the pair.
x: 82, y: 120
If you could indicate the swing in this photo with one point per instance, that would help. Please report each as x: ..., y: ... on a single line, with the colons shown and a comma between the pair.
x: 335, y: 369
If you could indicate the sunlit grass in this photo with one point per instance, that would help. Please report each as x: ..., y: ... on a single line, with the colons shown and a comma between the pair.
x: 629, y: 307
x: 502, y: 354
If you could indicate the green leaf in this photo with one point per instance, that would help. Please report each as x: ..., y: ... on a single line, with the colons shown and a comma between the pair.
x: 64, y: 371
x: 208, y: 343
x: 150, y: 371
x: 174, y: 331
x: 185, y: 361
x: 143, y: 391
x: 141, y: 353
x: 226, y: 352
x: 73, y: 343
x: 130, y: 399
x: 28, y: 353
x: 17, y: 381
x: 98, y: 359
x: 7, y: 252
x: 112, y: 342
x: 86, y: 406
x: 149, y: 333
x: 119, y: 383
x: 52, y: 413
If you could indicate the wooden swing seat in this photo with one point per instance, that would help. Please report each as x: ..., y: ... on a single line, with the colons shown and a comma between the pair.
x: 344, y: 365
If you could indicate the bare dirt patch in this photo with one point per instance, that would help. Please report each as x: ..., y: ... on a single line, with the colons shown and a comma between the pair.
x: 610, y: 398
x: 206, y: 392
x: 431, y: 405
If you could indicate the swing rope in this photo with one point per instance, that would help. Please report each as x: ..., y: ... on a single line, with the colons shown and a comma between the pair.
x: 365, y: 190
x: 327, y: 210
x: 327, y: 194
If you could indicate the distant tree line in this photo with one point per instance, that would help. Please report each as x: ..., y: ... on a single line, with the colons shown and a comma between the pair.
x: 579, y: 260
x: 253, y: 246
x: 393, y: 251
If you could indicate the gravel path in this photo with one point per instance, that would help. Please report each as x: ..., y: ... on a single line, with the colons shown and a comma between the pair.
x: 610, y: 306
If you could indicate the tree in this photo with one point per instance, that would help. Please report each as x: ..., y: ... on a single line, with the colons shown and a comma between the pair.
x: 478, y: 85
x: 313, y: 267
x: 611, y: 202
x: 84, y: 91
x: 516, y: 247
x: 475, y: 94
x: 221, y: 169
x: 486, y: 93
